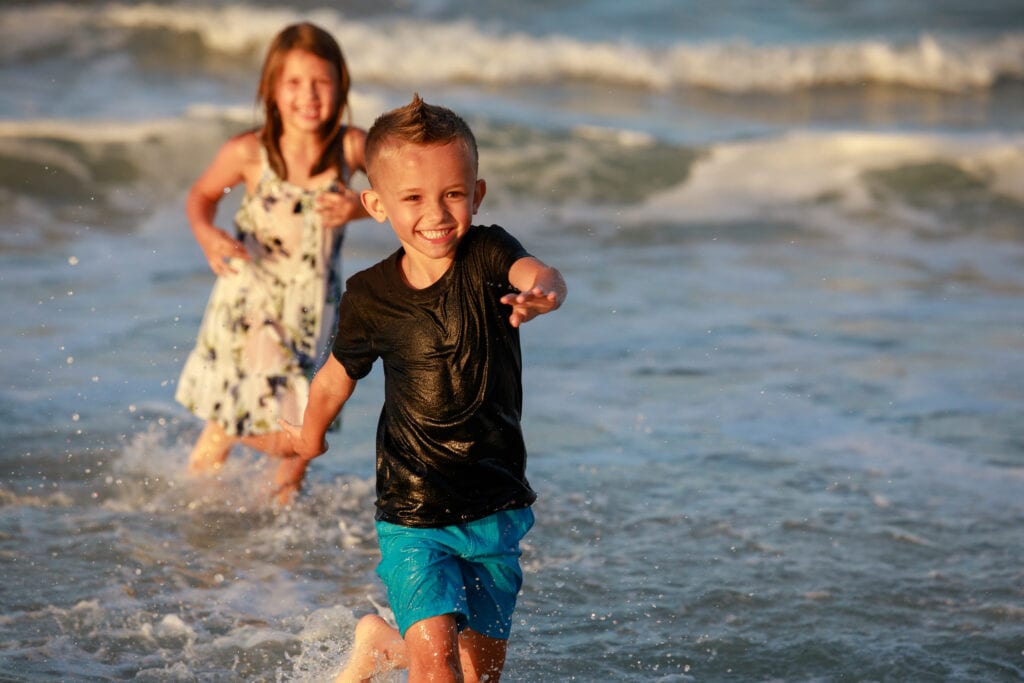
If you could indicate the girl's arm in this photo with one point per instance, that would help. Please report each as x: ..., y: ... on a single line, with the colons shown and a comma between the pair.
x: 338, y: 208
x: 225, y: 171
x: 354, y: 148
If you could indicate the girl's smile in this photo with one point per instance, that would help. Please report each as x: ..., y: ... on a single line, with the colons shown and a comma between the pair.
x: 307, y: 91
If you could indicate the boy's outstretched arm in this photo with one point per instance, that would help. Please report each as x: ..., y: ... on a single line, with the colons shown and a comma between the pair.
x: 541, y: 290
x: 330, y: 389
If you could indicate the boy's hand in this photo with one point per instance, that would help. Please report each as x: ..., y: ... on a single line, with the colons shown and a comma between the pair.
x: 529, y: 304
x: 301, y: 449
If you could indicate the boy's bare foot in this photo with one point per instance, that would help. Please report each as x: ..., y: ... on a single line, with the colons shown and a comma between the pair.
x: 377, y: 648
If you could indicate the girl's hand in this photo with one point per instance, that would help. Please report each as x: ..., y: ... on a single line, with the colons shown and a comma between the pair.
x: 219, y: 247
x: 338, y: 207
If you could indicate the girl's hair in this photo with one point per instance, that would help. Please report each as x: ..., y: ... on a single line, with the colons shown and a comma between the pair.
x: 417, y: 123
x: 316, y: 41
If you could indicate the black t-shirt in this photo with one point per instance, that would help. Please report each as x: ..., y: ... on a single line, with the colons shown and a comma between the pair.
x: 449, y: 444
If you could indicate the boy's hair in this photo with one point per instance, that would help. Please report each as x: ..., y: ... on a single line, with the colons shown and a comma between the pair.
x: 417, y: 123
x: 309, y: 38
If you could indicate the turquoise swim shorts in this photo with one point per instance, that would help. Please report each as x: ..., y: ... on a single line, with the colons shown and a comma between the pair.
x: 470, y: 570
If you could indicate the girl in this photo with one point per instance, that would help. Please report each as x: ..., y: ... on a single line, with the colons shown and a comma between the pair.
x: 273, y: 307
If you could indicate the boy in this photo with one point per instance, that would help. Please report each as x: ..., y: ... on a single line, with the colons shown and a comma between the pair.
x: 453, y: 501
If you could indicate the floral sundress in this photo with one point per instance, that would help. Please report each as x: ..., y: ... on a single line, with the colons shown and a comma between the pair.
x: 266, y: 329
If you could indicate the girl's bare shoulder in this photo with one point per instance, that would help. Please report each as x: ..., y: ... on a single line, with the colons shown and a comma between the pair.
x: 245, y: 148
x: 242, y: 153
x: 354, y: 145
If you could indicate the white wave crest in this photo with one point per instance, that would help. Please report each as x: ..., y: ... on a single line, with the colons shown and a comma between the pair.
x: 405, y: 50
x: 739, y: 180
x: 928, y: 63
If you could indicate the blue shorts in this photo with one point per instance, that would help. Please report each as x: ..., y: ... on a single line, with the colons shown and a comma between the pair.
x: 470, y: 570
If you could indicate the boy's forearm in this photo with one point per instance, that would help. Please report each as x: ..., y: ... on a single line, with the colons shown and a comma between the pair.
x: 530, y: 272
x: 315, y: 422
x: 330, y: 389
x: 550, y: 280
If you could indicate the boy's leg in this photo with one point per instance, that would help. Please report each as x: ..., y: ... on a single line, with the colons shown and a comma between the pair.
x: 432, y: 650
x: 378, y: 647
x: 482, y: 657
x: 211, y: 449
x: 457, y: 585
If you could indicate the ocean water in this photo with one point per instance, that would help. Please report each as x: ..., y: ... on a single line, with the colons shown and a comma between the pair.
x: 776, y: 429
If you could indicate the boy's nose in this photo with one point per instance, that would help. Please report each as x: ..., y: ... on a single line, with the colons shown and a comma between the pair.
x: 435, y: 212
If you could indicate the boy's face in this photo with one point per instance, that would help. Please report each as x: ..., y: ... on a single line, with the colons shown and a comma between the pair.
x: 430, y: 194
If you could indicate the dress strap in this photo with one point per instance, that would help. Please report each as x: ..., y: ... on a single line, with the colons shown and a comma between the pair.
x: 264, y: 159
x: 344, y: 172
x: 267, y: 174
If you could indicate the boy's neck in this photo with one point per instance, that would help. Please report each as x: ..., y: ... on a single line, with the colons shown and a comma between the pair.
x: 421, y: 273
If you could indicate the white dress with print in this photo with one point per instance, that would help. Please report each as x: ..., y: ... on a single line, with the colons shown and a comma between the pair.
x: 266, y: 328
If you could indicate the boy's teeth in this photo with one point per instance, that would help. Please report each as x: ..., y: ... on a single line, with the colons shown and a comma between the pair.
x: 434, y: 234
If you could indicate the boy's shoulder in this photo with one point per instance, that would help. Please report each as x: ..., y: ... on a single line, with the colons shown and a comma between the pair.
x: 492, y: 230
x: 490, y: 236
x: 496, y: 242
x: 375, y: 276
x: 480, y: 241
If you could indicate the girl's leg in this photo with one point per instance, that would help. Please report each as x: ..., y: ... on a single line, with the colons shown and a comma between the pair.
x: 288, y: 479
x: 211, y: 449
x: 377, y: 648
x: 290, y: 469
x: 276, y: 444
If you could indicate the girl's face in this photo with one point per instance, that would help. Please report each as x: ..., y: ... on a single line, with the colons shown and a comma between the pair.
x: 306, y: 92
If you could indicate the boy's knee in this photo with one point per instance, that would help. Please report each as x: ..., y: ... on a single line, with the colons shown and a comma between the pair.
x: 373, y: 635
x: 432, y: 647
x: 377, y: 647
x: 370, y: 626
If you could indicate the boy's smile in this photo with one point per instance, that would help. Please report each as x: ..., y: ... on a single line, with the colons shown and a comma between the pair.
x: 430, y: 194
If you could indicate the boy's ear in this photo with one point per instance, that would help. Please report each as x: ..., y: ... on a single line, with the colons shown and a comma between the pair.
x: 373, y: 205
x: 478, y: 193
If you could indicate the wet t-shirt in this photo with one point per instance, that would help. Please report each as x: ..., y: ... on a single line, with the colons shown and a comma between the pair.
x: 449, y: 444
